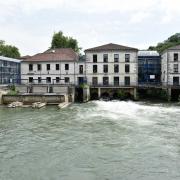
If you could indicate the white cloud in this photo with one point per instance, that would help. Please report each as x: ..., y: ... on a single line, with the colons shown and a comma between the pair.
x: 93, y: 21
x: 139, y: 17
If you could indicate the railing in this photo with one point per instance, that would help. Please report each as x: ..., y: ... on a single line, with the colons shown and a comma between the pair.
x: 45, y: 82
x: 116, y: 84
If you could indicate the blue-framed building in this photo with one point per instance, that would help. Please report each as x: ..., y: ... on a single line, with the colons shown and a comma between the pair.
x: 10, y: 71
x: 149, y: 67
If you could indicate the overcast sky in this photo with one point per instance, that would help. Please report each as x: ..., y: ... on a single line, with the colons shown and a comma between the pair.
x: 30, y: 24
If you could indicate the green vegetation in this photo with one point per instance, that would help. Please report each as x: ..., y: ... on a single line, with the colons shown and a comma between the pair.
x: 83, y: 85
x: 122, y: 95
x: 61, y: 41
x: 174, y: 40
x: 12, y: 91
x: 8, y: 50
x: 155, y: 94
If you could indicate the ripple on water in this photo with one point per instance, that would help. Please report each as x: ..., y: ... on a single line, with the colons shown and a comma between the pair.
x: 96, y: 140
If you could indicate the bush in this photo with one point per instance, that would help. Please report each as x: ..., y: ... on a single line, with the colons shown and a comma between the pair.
x: 13, y: 91
x: 83, y: 86
x: 121, y: 94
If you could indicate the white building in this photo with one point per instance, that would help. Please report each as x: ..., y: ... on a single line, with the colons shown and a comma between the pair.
x: 57, y: 66
x: 112, y: 65
x: 170, y: 64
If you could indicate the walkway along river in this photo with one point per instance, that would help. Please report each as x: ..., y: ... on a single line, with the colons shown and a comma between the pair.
x: 93, y: 141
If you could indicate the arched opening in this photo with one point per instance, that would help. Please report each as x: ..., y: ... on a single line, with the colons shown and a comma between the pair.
x: 105, y: 96
x: 94, y: 96
x: 175, y: 94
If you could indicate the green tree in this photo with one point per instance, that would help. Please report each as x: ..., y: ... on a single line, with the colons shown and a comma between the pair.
x: 8, y: 50
x: 173, y: 40
x: 61, y: 41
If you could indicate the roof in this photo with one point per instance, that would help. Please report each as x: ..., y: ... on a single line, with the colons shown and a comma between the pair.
x: 59, y: 54
x: 9, y: 59
x: 174, y: 48
x: 111, y: 47
x: 148, y: 53
x: 24, y: 57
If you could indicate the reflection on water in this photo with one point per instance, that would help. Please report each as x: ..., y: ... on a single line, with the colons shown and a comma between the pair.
x: 97, y: 140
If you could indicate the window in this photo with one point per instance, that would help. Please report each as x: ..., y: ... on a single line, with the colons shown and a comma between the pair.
x: 94, y: 68
x: 94, y: 80
x: 30, y: 67
x: 94, y: 58
x: 127, y: 57
x: 116, y: 68
x: 175, y: 56
x: 39, y: 79
x: 116, y: 57
x: 105, y: 81
x: 66, y: 79
x: 39, y: 67
x: 80, y: 69
x: 30, y: 79
x: 80, y: 80
x: 4, y: 63
x: 48, y: 67
x: 48, y: 80
x: 116, y: 81
x: 105, y: 58
x: 105, y: 68
x: 176, y: 69
x: 57, y: 79
x: 57, y: 67
x: 176, y: 81
x: 126, y: 81
x: 66, y: 67
x: 127, y: 68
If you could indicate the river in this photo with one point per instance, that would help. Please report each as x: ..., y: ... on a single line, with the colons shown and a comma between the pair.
x: 93, y: 141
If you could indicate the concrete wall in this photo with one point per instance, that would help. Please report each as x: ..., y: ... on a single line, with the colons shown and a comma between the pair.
x: 29, y: 99
x: 60, y: 89
x: 42, y: 89
x: 1, y: 94
x: 22, y: 88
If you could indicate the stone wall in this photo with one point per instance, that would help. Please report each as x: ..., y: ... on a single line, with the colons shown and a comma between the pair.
x: 29, y: 99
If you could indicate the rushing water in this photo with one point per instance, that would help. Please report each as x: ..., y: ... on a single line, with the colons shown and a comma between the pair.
x: 93, y: 141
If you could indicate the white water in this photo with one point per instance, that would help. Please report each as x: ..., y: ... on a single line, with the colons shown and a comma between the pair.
x: 97, y: 140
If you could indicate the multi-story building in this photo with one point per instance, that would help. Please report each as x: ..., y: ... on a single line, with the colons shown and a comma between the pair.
x: 9, y: 70
x: 149, y: 67
x: 108, y: 66
x: 170, y: 65
x: 55, y: 66
x: 111, y: 65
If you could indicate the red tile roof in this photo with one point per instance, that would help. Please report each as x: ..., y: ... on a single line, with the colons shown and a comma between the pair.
x: 111, y: 47
x: 175, y: 47
x: 24, y: 57
x: 59, y: 54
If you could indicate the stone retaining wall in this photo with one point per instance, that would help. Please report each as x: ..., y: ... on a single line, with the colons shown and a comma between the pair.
x: 29, y: 99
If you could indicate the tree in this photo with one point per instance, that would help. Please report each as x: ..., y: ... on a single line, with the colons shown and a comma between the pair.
x: 61, y: 41
x: 173, y: 40
x: 8, y: 50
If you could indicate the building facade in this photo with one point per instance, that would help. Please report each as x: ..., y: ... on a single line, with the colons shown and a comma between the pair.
x: 149, y: 68
x: 57, y: 66
x: 9, y: 70
x: 111, y: 65
x: 170, y: 66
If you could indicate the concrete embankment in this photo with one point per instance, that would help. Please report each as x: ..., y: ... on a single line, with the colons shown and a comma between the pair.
x: 28, y: 99
x: 2, y: 92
